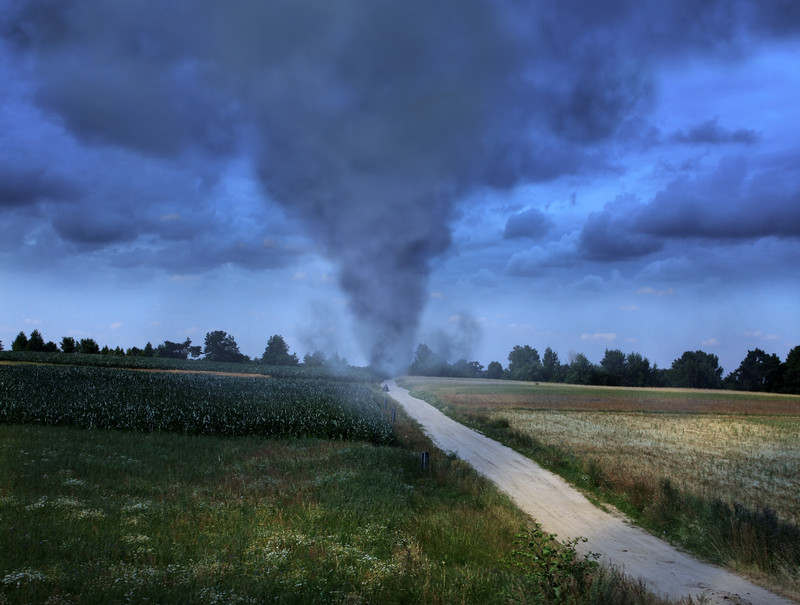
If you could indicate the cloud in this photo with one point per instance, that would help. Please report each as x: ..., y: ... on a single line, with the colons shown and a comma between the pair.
x: 650, y: 291
x: 531, y: 223
x: 609, y: 235
x: 599, y: 337
x: 731, y: 202
x: 711, y: 133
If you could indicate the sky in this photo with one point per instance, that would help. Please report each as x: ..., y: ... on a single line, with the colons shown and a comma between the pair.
x: 362, y: 177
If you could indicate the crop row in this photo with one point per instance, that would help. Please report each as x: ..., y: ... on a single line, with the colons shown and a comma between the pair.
x: 346, y: 373
x: 107, y: 398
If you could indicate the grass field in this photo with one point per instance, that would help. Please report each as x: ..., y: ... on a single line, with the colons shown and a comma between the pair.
x: 717, y: 472
x: 125, y: 516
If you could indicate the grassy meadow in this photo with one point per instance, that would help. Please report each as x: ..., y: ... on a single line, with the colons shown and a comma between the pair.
x: 163, y: 515
x: 716, y: 472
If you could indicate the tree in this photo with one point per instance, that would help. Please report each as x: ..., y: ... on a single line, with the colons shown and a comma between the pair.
x: 427, y: 363
x: 551, y: 367
x: 791, y: 371
x: 614, y: 367
x: 696, y: 370
x: 494, y: 370
x: 220, y: 346
x: 1, y: 345
x: 581, y: 370
x: 68, y: 345
x: 35, y: 342
x: 277, y: 353
x: 524, y: 363
x: 20, y: 343
x: 757, y: 372
x: 148, y: 351
x: 178, y: 350
x: 88, y: 346
x: 317, y: 359
x: 638, y: 371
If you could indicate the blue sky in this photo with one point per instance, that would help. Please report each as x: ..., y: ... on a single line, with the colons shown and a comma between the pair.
x: 475, y: 176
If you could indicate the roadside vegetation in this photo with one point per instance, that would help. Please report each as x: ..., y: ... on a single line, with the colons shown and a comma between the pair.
x: 715, y: 473
x: 175, y: 515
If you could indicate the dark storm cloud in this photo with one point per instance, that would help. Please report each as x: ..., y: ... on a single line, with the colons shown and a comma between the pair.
x: 734, y: 201
x: 23, y: 185
x: 368, y: 120
x: 609, y: 235
x: 531, y: 223
x: 710, y: 132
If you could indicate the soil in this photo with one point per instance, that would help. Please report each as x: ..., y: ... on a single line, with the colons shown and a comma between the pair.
x: 563, y: 510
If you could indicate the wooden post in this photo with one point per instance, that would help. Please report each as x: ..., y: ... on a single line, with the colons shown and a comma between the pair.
x: 393, y: 414
x: 426, y: 460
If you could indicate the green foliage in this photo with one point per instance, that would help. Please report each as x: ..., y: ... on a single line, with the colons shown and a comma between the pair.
x: 88, y: 346
x: 68, y: 345
x: 220, y: 346
x: 20, y: 343
x: 175, y: 350
x: 494, y: 370
x: 757, y: 372
x: 696, y: 370
x: 92, y: 397
x: 524, y: 363
x: 277, y: 353
x: 551, y: 572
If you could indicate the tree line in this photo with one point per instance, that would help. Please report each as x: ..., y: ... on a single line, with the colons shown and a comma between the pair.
x: 218, y: 346
x: 758, y: 371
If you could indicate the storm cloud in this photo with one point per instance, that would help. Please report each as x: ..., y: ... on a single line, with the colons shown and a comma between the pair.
x: 368, y: 122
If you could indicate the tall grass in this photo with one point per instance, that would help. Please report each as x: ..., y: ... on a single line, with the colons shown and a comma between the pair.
x: 93, y: 516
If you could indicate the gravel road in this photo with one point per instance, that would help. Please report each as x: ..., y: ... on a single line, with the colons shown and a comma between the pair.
x: 562, y: 510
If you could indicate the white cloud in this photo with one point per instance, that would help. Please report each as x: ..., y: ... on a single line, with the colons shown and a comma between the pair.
x: 710, y: 342
x: 649, y: 291
x: 116, y: 325
x: 599, y: 336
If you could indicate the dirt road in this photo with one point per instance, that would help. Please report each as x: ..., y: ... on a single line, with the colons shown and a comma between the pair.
x: 562, y: 510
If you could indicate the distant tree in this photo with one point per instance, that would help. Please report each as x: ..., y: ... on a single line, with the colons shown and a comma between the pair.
x: 220, y: 346
x: 428, y: 363
x: 791, y: 372
x: 177, y: 350
x: 316, y: 359
x: 465, y: 369
x: 494, y: 370
x: 68, y: 345
x: 1, y: 345
x: 277, y: 353
x: 614, y: 367
x: 551, y: 366
x: 134, y: 352
x: 696, y: 370
x: 88, y: 346
x: 758, y: 371
x: 337, y: 361
x: 637, y: 371
x: 35, y: 342
x: 105, y: 350
x: 20, y: 343
x: 524, y: 363
x: 581, y: 370
x: 148, y: 351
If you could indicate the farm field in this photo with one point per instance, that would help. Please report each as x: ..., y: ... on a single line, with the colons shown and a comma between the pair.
x: 193, y: 512
x: 717, y: 472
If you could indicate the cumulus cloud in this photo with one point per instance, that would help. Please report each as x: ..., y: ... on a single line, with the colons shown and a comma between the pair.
x: 531, y: 223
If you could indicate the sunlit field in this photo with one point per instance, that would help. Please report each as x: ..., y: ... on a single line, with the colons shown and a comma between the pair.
x: 715, y: 471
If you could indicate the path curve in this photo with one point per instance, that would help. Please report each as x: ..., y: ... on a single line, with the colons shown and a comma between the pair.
x: 563, y: 510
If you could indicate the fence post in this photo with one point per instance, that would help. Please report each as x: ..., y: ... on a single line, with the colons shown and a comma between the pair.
x: 426, y: 460
x: 393, y: 414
